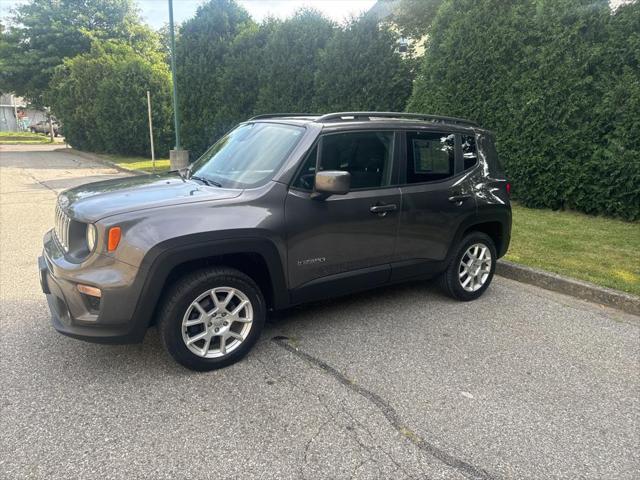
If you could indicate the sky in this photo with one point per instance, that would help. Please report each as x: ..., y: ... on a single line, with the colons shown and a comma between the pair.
x: 156, y: 13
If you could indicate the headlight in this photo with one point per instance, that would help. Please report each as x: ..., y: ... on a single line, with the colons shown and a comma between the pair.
x: 92, y: 236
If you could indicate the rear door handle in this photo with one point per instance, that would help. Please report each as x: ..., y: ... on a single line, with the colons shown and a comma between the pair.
x: 458, y: 199
x: 382, y: 210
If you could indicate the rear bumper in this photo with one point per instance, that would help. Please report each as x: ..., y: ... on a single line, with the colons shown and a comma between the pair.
x: 105, y: 320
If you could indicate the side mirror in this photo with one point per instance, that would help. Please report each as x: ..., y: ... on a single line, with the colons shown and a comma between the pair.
x: 333, y: 182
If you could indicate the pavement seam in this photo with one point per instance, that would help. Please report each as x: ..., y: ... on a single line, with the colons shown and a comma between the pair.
x: 92, y: 157
x: 467, y: 469
x: 42, y: 184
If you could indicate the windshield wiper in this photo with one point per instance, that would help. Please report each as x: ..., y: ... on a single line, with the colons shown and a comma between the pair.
x: 206, y: 181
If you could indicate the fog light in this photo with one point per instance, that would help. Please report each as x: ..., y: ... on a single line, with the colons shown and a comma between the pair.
x: 87, y: 290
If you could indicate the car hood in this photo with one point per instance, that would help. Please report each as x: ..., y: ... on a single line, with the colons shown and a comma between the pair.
x: 93, y: 201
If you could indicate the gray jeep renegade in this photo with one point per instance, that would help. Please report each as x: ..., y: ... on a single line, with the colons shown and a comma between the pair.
x: 284, y: 209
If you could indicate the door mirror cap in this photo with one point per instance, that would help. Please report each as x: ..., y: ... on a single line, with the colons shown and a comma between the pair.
x: 332, y: 182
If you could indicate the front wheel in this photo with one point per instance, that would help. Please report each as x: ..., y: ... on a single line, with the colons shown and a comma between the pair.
x: 212, y: 318
x: 471, y: 269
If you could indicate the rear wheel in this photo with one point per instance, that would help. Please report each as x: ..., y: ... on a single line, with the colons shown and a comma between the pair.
x: 212, y: 318
x: 471, y: 269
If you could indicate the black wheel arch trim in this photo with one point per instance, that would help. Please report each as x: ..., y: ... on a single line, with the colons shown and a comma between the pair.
x: 501, y: 216
x: 159, y: 262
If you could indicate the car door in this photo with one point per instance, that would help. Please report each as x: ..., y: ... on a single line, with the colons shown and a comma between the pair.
x: 437, y: 198
x: 344, y: 243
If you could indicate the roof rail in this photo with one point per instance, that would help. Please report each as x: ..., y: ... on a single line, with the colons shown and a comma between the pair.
x: 277, y: 115
x: 346, y: 116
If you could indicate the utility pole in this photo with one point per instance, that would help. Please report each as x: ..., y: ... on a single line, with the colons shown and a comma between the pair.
x: 51, y: 133
x: 15, y: 113
x: 179, y: 158
x: 153, y: 155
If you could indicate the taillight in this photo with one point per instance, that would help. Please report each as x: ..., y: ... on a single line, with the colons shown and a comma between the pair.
x: 508, y: 189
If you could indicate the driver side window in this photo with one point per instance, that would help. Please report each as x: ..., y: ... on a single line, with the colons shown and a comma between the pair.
x: 367, y: 156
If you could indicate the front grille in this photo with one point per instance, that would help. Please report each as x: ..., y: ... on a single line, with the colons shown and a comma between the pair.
x: 62, y: 227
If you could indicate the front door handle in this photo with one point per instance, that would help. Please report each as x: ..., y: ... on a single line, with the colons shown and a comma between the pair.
x: 382, y: 210
x: 458, y: 199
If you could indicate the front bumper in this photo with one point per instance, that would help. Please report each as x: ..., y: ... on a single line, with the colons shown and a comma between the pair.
x: 107, y: 320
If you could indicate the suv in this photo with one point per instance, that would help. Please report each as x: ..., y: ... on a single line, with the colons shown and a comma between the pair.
x: 284, y: 209
x: 44, y: 127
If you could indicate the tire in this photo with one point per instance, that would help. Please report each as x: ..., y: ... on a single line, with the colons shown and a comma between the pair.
x: 453, y: 279
x: 181, y: 320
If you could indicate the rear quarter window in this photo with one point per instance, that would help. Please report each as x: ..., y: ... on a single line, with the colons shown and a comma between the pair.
x: 469, y: 151
x: 486, y: 143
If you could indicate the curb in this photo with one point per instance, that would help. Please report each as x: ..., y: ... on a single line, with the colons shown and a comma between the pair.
x: 98, y: 159
x: 570, y: 286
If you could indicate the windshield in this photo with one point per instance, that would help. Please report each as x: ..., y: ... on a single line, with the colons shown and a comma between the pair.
x: 247, y: 156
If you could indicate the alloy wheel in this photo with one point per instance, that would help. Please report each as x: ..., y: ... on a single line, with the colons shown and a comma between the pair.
x: 217, y: 322
x: 475, y: 267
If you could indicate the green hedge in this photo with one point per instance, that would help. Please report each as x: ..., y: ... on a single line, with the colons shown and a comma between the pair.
x: 559, y: 83
x: 203, y: 43
x: 361, y: 69
x: 289, y: 62
x: 230, y: 68
x: 101, y: 99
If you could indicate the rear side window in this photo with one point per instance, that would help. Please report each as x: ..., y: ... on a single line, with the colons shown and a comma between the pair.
x: 469, y: 151
x: 430, y: 156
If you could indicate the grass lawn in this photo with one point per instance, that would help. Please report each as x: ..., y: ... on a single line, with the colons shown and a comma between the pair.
x: 600, y: 250
x: 22, y: 138
x: 139, y: 163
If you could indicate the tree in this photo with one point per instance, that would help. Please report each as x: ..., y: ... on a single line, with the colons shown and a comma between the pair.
x: 538, y: 74
x: 290, y: 61
x: 42, y: 33
x: 414, y: 17
x: 240, y: 77
x: 610, y: 179
x: 100, y: 96
x: 203, y: 44
x: 361, y: 69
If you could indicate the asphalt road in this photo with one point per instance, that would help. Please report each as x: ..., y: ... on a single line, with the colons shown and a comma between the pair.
x: 396, y: 383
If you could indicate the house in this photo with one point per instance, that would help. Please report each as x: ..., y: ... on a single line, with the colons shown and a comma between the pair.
x: 16, y: 115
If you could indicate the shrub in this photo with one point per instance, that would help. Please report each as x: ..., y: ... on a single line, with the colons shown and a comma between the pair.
x: 290, y: 61
x: 100, y: 97
x: 557, y: 80
x: 201, y: 48
x: 361, y: 69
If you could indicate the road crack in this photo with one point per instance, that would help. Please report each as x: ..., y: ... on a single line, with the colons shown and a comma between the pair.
x: 365, y: 449
x: 467, y: 469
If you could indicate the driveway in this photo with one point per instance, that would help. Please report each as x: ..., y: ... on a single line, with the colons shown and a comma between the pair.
x: 396, y: 383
